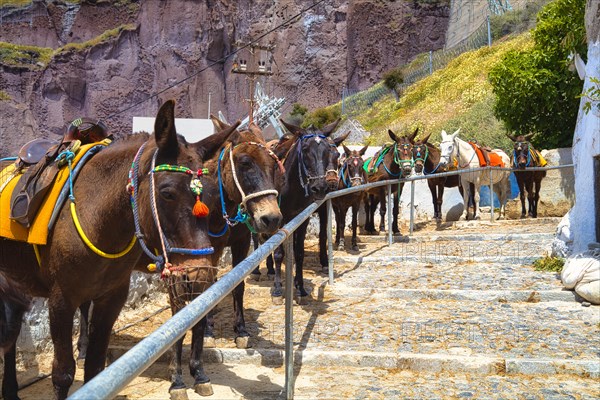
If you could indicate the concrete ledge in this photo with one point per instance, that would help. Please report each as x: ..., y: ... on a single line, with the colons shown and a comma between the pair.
x: 436, y: 258
x: 455, y: 236
x: 431, y: 363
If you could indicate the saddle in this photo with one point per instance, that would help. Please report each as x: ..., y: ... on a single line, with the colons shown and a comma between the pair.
x: 40, y: 163
x: 483, y: 153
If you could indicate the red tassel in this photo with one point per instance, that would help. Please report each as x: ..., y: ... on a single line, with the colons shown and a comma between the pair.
x: 200, y: 209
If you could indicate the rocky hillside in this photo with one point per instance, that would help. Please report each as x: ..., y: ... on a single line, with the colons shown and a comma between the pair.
x: 64, y: 59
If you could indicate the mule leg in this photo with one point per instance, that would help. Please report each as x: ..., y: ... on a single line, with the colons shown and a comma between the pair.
x: 521, y: 183
x: 83, y: 340
x: 536, y: 197
x: 238, y: 254
x: 369, y: 225
x: 382, y: 210
x: 277, y: 289
x: 396, y: 209
x: 530, y: 195
x: 338, y: 233
x: 323, y: 258
x: 105, y: 313
x: 355, y: 207
x: 433, y: 190
x: 256, y: 273
x: 440, y: 200
x: 10, y: 386
x: 202, y: 384
x: 466, y: 197
x: 476, y: 198
x: 61, y: 329
x: 209, y: 332
x: 342, y: 227
x: 299, y: 237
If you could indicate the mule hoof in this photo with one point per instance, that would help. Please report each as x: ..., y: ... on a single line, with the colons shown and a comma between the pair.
x: 277, y: 300
x: 242, y: 342
x: 325, y: 269
x: 204, y: 389
x: 301, y: 300
x: 355, y: 247
x: 178, y: 394
x: 254, y: 277
x: 209, y: 342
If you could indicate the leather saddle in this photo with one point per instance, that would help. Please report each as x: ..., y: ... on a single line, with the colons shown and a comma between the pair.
x: 38, y: 160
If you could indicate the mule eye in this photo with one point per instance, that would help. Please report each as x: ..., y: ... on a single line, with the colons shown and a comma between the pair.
x: 168, y: 193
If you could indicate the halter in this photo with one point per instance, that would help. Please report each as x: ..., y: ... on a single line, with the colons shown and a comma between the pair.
x: 515, y: 155
x: 305, y: 178
x: 342, y: 174
x: 242, y: 213
x: 162, y: 261
x: 458, y: 153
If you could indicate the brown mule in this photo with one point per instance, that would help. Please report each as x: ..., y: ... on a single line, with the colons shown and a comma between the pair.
x: 71, y: 273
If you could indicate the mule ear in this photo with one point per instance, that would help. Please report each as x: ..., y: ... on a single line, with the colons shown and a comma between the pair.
x: 346, y: 150
x: 393, y: 136
x: 207, y: 147
x: 328, y: 129
x: 511, y: 137
x: 283, y: 146
x: 256, y: 131
x: 295, y: 130
x: 363, y: 150
x: 164, y: 128
x: 219, y: 124
x: 444, y: 134
x: 455, y: 134
x: 338, y: 140
x: 528, y: 136
x: 426, y: 138
x: 414, y: 135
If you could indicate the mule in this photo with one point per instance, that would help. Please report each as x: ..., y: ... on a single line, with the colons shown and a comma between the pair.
x: 530, y: 182
x: 351, y: 174
x: 310, y: 173
x: 427, y: 162
x: 164, y: 184
x: 454, y: 148
x: 13, y: 304
x: 393, y: 161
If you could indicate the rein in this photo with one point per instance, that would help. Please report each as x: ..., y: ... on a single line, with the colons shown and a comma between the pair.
x: 342, y: 173
x: 242, y: 213
x: 458, y: 154
x: 302, y: 171
x: 515, y: 156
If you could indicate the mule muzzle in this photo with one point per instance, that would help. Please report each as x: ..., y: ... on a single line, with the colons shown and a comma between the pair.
x: 319, y: 189
x: 268, y: 223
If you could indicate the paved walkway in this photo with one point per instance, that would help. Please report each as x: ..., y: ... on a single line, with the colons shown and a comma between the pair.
x: 454, y: 312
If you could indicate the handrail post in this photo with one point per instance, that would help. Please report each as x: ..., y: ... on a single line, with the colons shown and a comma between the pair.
x: 491, y: 197
x: 289, y: 318
x: 389, y: 214
x: 412, y: 207
x: 330, y: 238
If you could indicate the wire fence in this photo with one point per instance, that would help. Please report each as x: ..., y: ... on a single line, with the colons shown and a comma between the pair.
x: 355, y: 102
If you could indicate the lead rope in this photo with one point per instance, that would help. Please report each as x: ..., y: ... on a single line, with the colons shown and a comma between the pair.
x: 155, y: 215
x: 239, y: 187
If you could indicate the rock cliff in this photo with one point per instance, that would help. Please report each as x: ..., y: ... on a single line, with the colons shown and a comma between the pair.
x: 115, y: 54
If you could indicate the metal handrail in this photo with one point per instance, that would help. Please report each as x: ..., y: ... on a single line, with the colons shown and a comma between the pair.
x: 115, y: 377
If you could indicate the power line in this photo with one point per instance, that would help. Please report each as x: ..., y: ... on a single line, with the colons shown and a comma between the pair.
x: 221, y: 60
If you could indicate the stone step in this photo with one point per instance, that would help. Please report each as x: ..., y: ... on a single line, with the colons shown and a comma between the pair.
x: 438, y: 363
x: 431, y: 237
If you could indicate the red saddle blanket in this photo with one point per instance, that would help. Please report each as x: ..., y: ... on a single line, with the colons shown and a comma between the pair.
x: 495, y: 159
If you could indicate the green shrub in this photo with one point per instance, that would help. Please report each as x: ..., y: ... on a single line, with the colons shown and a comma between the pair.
x: 551, y: 264
x: 322, y: 116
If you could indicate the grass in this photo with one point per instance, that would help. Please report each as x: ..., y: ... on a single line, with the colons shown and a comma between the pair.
x: 33, y: 57
x: 4, y: 96
x: 15, y: 3
x: 457, y: 96
x: 550, y: 264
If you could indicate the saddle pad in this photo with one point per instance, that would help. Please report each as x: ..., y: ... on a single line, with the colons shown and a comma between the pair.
x: 480, y: 156
x: 38, y: 232
x: 495, y: 160
x: 372, y: 163
x: 538, y: 160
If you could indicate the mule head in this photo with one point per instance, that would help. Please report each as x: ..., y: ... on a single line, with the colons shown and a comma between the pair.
x: 420, y: 153
x: 448, y: 148
x: 251, y: 174
x: 173, y: 190
x: 353, y: 173
x: 521, y: 150
x: 403, y: 152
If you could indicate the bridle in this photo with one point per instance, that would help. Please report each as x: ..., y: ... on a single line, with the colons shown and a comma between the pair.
x: 305, y: 177
x: 242, y: 210
x: 161, y: 262
x: 419, y: 157
x: 352, y: 179
x: 520, y: 149
x: 449, y: 156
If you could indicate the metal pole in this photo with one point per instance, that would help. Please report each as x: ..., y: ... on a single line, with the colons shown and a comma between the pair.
x: 289, y: 319
x: 209, y: 94
x: 389, y: 214
x: 430, y: 62
x: 330, y: 238
x: 412, y: 207
x: 489, y: 31
x: 491, y: 198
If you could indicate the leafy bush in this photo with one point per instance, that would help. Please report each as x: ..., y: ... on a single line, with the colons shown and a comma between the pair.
x: 551, y: 264
x: 535, y: 90
x: 322, y: 116
x: 516, y: 21
x: 393, y: 78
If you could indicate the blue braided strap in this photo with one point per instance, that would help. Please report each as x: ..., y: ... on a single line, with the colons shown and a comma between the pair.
x: 193, y: 252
